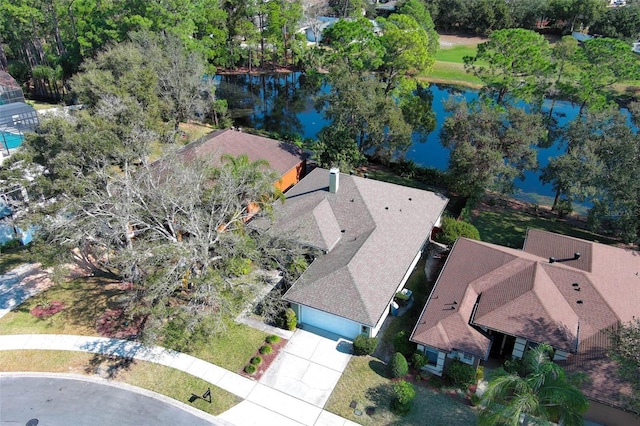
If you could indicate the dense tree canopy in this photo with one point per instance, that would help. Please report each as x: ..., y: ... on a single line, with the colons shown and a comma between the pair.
x: 518, y: 64
x: 600, y: 166
x: 490, y: 146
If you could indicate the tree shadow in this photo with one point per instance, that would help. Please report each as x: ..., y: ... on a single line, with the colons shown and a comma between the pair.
x: 108, y: 366
x: 379, y: 367
x: 380, y: 396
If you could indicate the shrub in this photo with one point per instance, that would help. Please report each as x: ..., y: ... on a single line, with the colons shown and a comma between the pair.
x: 265, y: 350
x: 11, y: 244
x: 363, y: 345
x: 398, y: 366
x: 479, y: 373
x: 271, y: 339
x: 474, y: 399
x: 564, y: 207
x: 453, y: 228
x: 291, y: 320
x: 418, y: 360
x: 403, y: 395
x: 256, y: 360
x: 461, y: 374
x: 402, y: 344
x: 250, y: 369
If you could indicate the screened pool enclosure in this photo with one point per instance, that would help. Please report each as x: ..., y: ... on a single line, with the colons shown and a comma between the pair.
x: 15, y: 119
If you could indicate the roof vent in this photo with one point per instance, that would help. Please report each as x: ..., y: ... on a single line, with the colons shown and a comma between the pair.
x: 579, y: 302
x: 409, y: 198
x: 576, y: 255
x: 575, y: 285
x: 552, y: 259
x: 386, y: 208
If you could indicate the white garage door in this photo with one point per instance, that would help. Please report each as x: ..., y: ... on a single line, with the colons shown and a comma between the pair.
x: 330, y: 322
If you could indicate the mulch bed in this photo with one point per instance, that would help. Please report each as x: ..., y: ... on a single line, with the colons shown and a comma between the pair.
x: 51, y: 308
x: 437, y: 383
x: 267, y: 359
x: 116, y: 324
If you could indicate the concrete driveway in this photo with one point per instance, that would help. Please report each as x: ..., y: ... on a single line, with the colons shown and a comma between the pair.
x: 309, y: 366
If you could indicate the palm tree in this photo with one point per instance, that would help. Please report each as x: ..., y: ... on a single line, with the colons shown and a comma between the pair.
x: 541, y: 392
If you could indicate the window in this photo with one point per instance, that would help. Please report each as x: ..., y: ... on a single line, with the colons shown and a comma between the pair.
x: 432, y: 357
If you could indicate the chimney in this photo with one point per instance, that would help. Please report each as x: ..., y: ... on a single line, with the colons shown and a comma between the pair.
x: 334, y: 180
x: 576, y: 256
x: 552, y: 259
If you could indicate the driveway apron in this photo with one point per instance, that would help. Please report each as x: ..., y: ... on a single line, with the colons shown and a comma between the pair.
x: 309, y: 366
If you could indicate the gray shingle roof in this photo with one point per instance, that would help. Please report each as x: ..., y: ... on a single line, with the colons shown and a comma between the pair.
x: 381, y: 226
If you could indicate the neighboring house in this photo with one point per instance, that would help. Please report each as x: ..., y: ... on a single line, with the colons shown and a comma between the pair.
x: 287, y: 160
x: 10, y: 90
x: 493, y: 301
x: 372, y: 234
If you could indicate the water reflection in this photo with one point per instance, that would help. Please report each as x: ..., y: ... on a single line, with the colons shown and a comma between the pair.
x: 284, y: 103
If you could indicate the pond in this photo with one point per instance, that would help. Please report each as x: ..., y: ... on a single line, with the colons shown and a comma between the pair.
x: 284, y: 103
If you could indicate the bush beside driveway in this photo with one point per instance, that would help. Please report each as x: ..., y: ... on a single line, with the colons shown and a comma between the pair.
x: 366, y: 382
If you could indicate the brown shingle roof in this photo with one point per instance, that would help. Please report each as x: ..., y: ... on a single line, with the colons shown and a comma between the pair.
x: 382, y: 228
x: 281, y: 156
x: 569, y: 303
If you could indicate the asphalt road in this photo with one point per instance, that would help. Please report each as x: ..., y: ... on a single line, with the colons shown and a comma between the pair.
x: 57, y: 400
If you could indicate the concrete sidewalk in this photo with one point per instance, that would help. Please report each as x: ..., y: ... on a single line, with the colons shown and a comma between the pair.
x: 262, y: 404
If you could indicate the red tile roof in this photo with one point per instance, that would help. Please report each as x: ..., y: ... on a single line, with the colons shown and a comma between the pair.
x: 281, y: 156
x: 570, y: 303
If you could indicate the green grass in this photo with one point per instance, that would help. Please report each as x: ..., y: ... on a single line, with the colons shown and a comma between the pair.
x: 508, y: 227
x: 453, y: 74
x: 456, y: 54
x: 164, y: 380
x: 233, y: 349
x: 365, y: 381
x: 388, y: 176
x: 87, y: 299
x: 12, y: 258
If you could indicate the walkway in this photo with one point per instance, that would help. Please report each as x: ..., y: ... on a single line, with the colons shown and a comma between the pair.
x: 293, y: 392
x: 262, y: 404
x: 21, y: 283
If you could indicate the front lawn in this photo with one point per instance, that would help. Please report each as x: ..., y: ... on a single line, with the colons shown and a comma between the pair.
x: 164, y: 380
x: 13, y: 257
x: 365, y: 381
x: 86, y: 299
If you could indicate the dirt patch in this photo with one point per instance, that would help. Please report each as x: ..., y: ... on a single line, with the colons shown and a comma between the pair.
x: 267, y: 360
x: 44, y: 310
x: 452, y: 40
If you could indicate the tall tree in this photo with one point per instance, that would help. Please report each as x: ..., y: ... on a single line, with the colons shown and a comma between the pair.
x: 418, y: 10
x: 625, y: 351
x: 619, y: 22
x: 490, y: 145
x: 405, y: 45
x: 541, y: 391
x: 354, y: 43
x: 600, y: 166
x: 601, y: 63
x: 576, y: 12
x: 514, y: 63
